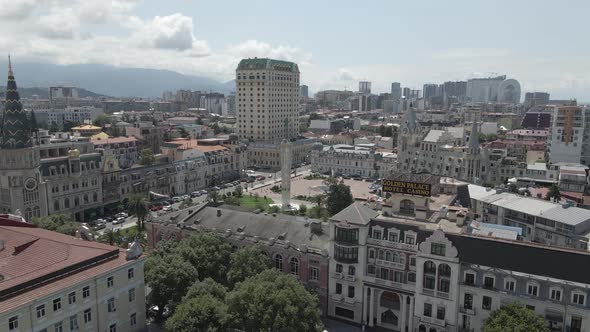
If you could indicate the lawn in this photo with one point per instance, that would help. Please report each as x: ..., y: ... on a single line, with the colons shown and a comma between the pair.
x: 254, y: 202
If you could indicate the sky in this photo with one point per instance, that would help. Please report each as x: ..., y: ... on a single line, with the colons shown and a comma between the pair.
x: 543, y: 44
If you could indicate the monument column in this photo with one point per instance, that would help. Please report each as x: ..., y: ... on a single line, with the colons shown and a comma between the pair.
x: 285, y: 174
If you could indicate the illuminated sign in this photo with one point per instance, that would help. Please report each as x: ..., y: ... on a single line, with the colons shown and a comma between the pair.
x: 408, y: 188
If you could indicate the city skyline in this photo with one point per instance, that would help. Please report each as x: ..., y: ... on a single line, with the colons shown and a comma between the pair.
x: 203, y: 39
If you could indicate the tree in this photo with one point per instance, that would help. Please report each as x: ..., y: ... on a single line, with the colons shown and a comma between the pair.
x: 553, y: 194
x: 515, y: 317
x: 138, y: 206
x: 57, y: 223
x: 146, y: 157
x: 207, y: 253
x: 302, y: 209
x: 169, y: 276
x: 238, y: 191
x: 201, y: 314
x: 206, y: 287
x: 232, y: 200
x: 109, y: 236
x: 338, y: 198
x: 102, y: 120
x: 213, y: 196
x: 53, y: 127
x: 247, y: 262
x: 314, y: 116
x: 273, y: 301
x: 186, y: 204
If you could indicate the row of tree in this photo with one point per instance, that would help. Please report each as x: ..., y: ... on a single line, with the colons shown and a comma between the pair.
x: 209, y: 287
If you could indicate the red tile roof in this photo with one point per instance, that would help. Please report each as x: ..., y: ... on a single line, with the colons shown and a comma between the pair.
x: 35, y: 260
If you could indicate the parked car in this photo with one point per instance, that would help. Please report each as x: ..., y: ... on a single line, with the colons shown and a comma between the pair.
x: 177, y: 199
x: 216, y: 188
x: 167, y: 208
x: 155, y: 208
x: 185, y: 197
x: 97, y: 227
x: 119, y: 220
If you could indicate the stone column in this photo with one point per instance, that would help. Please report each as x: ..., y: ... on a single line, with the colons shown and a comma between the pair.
x: 411, y: 313
x: 372, y: 307
x: 377, y: 297
x: 285, y: 174
x: 403, y: 312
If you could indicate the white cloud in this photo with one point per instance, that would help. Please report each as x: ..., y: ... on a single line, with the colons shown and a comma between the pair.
x: 16, y: 10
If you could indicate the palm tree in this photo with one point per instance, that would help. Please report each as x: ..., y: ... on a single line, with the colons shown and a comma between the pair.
x: 110, y: 237
x: 138, y: 206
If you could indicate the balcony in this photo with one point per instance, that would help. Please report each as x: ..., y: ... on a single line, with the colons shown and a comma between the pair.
x: 433, y: 321
x: 396, y: 245
x: 337, y: 297
x: 468, y: 311
x: 337, y: 275
x: 391, y: 264
x: 350, y: 278
x: 429, y: 292
x: 444, y: 295
x: 349, y: 300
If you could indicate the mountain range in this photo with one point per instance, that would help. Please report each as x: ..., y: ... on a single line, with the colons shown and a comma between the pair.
x: 113, y: 81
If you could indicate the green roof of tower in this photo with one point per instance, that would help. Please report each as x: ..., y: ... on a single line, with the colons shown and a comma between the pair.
x: 265, y: 63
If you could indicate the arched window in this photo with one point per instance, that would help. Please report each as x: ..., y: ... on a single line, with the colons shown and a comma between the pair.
x: 67, y: 203
x: 406, y: 207
x: 294, y: 264
x: 422, y: 328
x: 94, y: 197
x: 279, y: 262
x: 388, y: 256
x: 444, y: 278
x: 432, y: 329
x: 76, y: 201
x: 85, y: 198
x: 56, y: 205
x: 444, y: 270
x: 429, y: 275
x: 36, y: 211
x: 28, y: 214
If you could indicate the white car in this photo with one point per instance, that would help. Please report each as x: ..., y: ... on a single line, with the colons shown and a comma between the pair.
x: 167, y: 208
x: 119, y: 220
x: 123, y: 214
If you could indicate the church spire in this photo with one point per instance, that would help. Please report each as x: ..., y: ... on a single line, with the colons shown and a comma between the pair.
x: 15, y: 132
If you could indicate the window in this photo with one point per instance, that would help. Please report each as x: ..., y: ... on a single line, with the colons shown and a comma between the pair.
x: 279, y: 262
x: 427, y: 309
x: 294, y: 264
x: 73, y: 323
x: 578, y: 298
x: 338, y: 288
x: 111, y: 305
x: 110, y: 282
x: 371, y: 269
x: 131, y: 273
x: 486, y: 303
x: 72, y: 298
x: 86, y: 292
x: 509, y: 285
x: 468, y: 301
x: 429, y: 282
x: 376, y: 235
x: 346, y: 254
x: 351, y: 270
x: 339, y: 268
x: 437, y: 249
x: 347, y: 235
x: 314, y: 273
x: 58, y: 327
x: 132, y: 295
x: 440, y: 312
x: 371, y: 253
x: 350, y: 291
x: 57, y: 304
x: 555, y: 294
x: 113, y: 328
x: 444, y: 285
x: 87, y: 316
x: 488, y: 282
x: 133, y: 319
x: 411, y: 277
x: 469, y: 278
x: 412, y: 260
x: 41, y: 311
x: 532, y: 289
x: 13, y: 323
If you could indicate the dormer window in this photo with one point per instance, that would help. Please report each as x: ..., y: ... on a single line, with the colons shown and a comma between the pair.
x: 438, y: 249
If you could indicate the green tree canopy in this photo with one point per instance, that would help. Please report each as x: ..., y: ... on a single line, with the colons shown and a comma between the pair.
x: 247, y: 262
x: 204, y: 313
x: 338, y: 198
x: 207, y: 253
x: 138, y: 206
x: 208, y: 287
x: 553, y: 194
x: 213, y: 196
x: 102, y: 120
x: 169, y: 277
x: 515, y: 317
x: 58, y: 223
x: 273, y: 301
x: 146, y: 157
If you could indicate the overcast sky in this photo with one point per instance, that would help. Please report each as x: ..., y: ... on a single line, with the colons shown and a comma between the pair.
x: 543, y: 44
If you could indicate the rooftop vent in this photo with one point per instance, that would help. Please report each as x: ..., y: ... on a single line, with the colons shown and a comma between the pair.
x: 282, y: 236
x: 241, y: 228
x: 219, y: 213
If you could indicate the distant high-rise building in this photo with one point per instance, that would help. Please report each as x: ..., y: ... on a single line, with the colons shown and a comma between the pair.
x: 493, y: 89
x: 396, y: 91
x: 268, y: 100
x: 364, y: 87
x: 430, y: 90
x: 304, y: 91
x: 536, y: 98
x: 406, y: 92
x: 455, y: 89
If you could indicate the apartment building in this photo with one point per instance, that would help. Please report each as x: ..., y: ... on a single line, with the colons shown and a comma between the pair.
x: 124, y: 149
x: 46, y: 287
